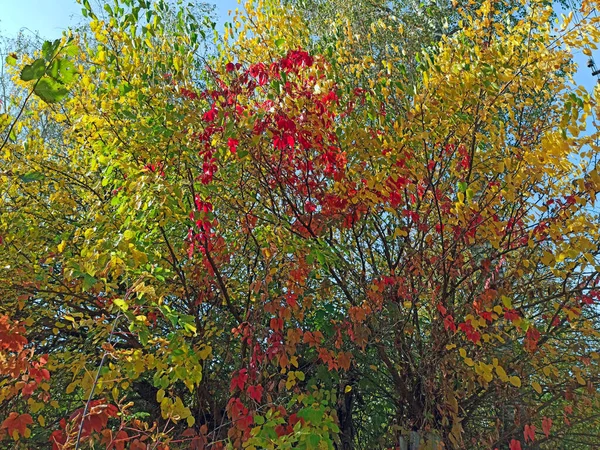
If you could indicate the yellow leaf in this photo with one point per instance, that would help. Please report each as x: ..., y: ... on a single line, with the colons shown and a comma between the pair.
x: 400, y: 232
x: 36, y: 406
x: 501, y: 373
x: 347, y: 389
x: 515, y: 381
x: 41, y: 421
x: 536, y: 386
x: 548, y: 258
x: 205, y: 352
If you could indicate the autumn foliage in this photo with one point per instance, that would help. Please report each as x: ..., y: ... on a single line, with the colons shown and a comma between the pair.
x: 282, y: 243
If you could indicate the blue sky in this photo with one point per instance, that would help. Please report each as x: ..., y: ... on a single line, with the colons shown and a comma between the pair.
x: 50, y: 17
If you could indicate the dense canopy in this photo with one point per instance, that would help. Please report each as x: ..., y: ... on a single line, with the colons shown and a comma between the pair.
x: 349, y: 225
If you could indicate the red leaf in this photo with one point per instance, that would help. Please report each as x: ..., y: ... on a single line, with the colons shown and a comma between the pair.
x: 210, y: 115
x: 292, y: 300
x: 16, y: 422
x: 531, y: 338
x: 255, y: 392
x: 515, y: 445
x: 29, y: 388
x: 120, y: 440
x: 11, y: 335
x: 546, y: 425
x: 232, y: 144
x: 313, y: 339
x: 529, y: 433
x: 449, y: 322
x: 276, y: 324
x: 58, y: 439
x: 239, y: 381
x: 281, y: 430
x: 138, y: 445
x: 310, y: 207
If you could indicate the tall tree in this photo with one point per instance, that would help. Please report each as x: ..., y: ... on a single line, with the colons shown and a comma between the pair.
x: 279, y: 248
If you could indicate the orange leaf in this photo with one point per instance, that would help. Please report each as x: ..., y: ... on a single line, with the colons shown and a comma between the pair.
x: 17, y: 423
x: 343, y: 360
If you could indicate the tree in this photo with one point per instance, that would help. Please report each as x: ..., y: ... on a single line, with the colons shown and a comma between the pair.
x: 277, y: 248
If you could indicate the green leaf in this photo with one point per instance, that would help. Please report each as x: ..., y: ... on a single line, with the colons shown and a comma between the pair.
x: 31, y: 176
x: 462, y: 186
x: 33, y: 71
x: 88, y: 281
x: 62, y: 70
x: 259, y: 420
x: 70, y: 50
x: 144, y: 334
x: 49, y: 90
x: 321, y: 258
x: 169, y: 314
x: 187, y: 322
x: 11, y: 59
x: 49, y: 49
x: 312, y: 415
x: 279, y: 42
x: 312, y: 442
